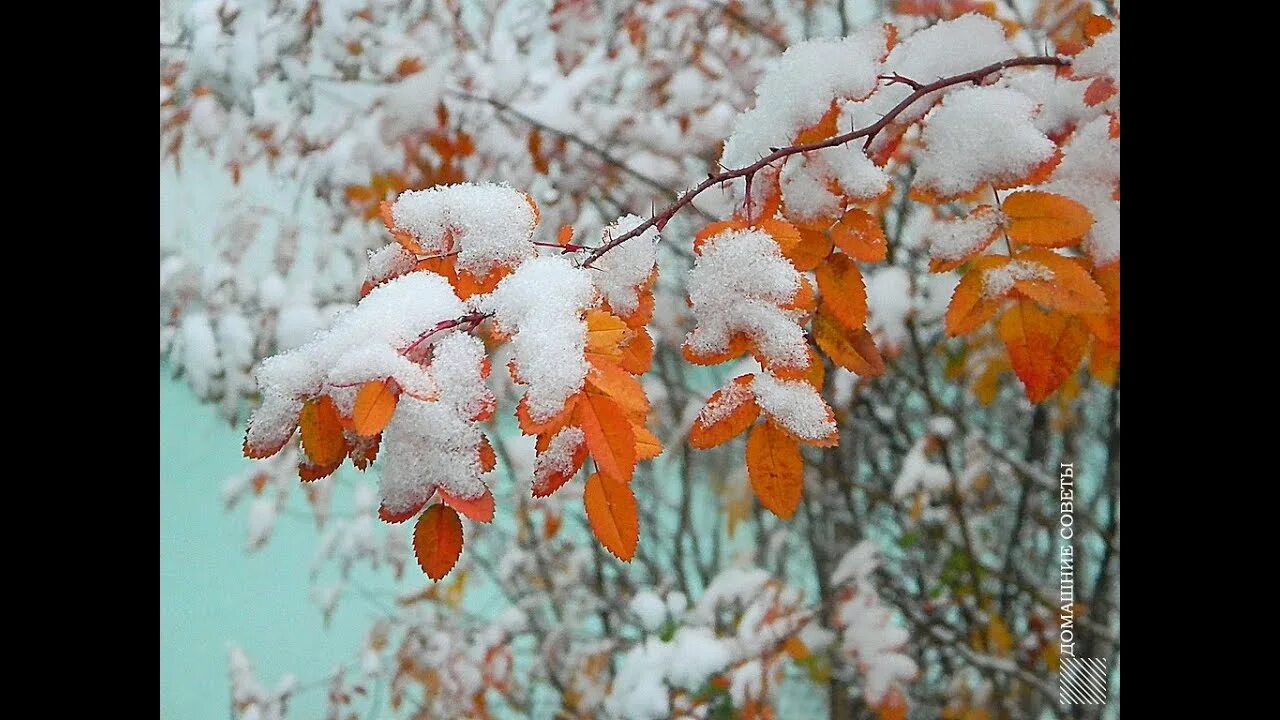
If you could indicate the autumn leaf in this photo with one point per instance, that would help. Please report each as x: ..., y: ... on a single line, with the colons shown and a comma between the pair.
x: 606, y: 333
x: 844, y: 295
x: 437, y: 540
x: 395, y: 518
x: 860, y: 236
x: 738, y: 344
x: 610, y: 439
x: 637, y: 353
x: 727, y: 413
x: 621, y: 386
x: 310, y: 472
x: 529, y: 426
x: 322, y: 437
x: 854, y: 350
x: 1045, y: 219
x: 375, y: 403
x: 1070, y: 289
x: 813, y: 248
x: 1044, y: 347
x: 715, y: 229
x: 970, y: 306
x: 775, y: 469
x: 648, y: 446
x: 479, y: 508
x: 613, y: 515
x: 823, y: 129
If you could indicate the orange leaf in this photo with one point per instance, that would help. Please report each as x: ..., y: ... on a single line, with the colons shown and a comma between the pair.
x: 622, y: 386
x: 775, y: 468
x: 479, y: 508
x: 548, y: 483
x: 813, y: 248
x: 606, y: 333
x: 637, y: 354
x: 1107, y: 327
x: 1044, y: 348
x: 1070, y: 290
x: 804, y: 300
x: 821, y: 130
x: 488, y: 459
x: 970, y: 307
x: 552, y: 424
x: 715, y: 229
x: 612, y: 512
x: 784, y: 233
x: 738, y: 345
x: 308, y: 472
x: 467, y: 284
x: 437, y: 540
x: 854, y: 350
x: 610, y: 439
x: 1104, y: 362
x: 375, y: 404
x: 396, y: 518
x: 844, y: 295
x: 727, y: 413
x: 648, y: 446
x: 973, y: 233
x: 322, y: 437
x: 1045, y: 219
x: 860, y: 236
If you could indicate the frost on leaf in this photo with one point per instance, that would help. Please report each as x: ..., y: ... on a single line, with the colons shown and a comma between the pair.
x: 797, y: 407
x: 543, y: 302
x: 430, y: 445
x: 727, y: 413
x: 954, y: 242
x: 487, y: 225
x: 737, y: 288
x: 831, y: 68
x: 979, y: 137
x: 624, y: 270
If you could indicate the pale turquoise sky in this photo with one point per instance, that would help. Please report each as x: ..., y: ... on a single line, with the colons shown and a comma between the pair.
x: 212, y: 592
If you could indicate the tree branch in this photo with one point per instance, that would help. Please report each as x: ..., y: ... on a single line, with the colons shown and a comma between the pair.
x: 662, y: 217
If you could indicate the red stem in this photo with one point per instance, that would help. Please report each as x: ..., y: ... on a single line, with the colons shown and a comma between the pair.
x: 664, y: 216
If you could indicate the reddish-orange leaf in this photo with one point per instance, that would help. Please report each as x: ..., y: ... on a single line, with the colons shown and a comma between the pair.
x: 821, y: 130
x: 565, y: 235
x: 1100, y: 90
x: 860, y: 236
x: 817, y: 370
x: 375, y: 403
x: 609, y: 379
x: 715, y: 229
x: 307, y: 471
x: 844, y: 295
x: 612, y: 512
x: 396, y: 518
x: 467, y: 284
x: 637, y: 354
x: 610, y: 439
x: 552, y: 480
x: 775, y: 468
x: 479, y: 508
x: 552, y: 424
x: 1096, y: 25
x: 437, y: 540
x: 804, y: 300
x: 852, y: 349
x: 322, y: 437
x: 606, y: 333
x: 727, y: 413
x: 970, y: 306
x: 894, y: 707
x: 1044, y: 347
x: 813, y: 248
x: 363, y: 450
x: 488, y: 459
x: 738, y: 345
x: 648, y: 446
x: 1070, y: 289
x: 1045, y: 219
